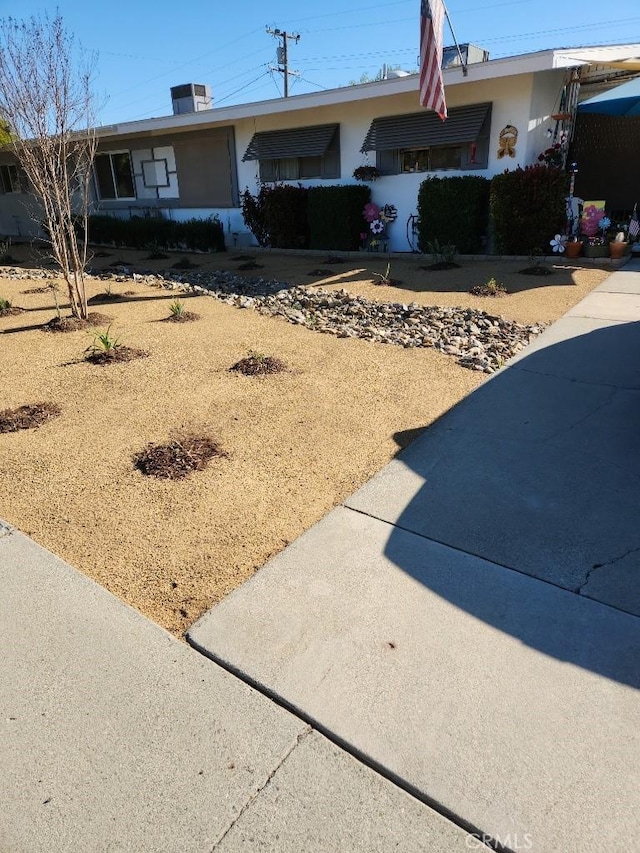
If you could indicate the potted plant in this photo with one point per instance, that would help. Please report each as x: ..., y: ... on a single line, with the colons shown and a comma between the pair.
x: 573, y: 247
x: 366, y: 173
x: 619, y: 246
x: 595, y: 247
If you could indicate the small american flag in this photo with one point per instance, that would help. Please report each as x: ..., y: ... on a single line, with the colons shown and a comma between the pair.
x: 431, y: 84
x: 634, y: 225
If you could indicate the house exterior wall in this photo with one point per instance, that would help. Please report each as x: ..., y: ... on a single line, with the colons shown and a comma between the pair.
x: 511, y: 98
x: 197, y: 189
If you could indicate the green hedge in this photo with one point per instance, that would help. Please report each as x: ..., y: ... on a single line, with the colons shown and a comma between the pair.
x: 204, y: 235
x: 290, y: 217
x: 453, y: 211
x: 335, y: 217
x: 528, y: 208
x: 277, y: 216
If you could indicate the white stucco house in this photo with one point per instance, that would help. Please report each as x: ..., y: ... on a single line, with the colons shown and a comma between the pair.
x: 502, y: 114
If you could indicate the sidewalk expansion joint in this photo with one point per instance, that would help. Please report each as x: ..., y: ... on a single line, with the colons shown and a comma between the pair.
x: 472, y: 831
x: 570, y: 590
x: 299, y: 739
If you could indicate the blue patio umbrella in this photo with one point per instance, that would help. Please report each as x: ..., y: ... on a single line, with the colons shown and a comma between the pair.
x: 623, y: 100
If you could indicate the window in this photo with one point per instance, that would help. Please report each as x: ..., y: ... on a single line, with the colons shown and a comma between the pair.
x: 10, y: 179
x: 430, y: 159
x: 297, y: 153
x: 420, y: 142
x: 291, y: 168
x: 114, y: 175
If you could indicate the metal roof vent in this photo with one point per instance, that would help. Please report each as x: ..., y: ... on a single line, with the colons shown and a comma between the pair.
x: 191, y: 98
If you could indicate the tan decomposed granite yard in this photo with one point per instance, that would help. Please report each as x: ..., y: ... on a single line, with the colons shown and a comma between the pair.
x: 294, y: 443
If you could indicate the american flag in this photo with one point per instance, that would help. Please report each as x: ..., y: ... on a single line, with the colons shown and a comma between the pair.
x: 431, y: 84
x: 634, y: 225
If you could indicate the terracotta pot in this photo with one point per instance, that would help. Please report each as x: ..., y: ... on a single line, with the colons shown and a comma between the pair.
x: 573, y: 250
x: 618, y: 249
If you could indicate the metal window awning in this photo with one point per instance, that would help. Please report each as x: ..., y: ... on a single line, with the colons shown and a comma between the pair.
x: 298, y: 142
x: 425, y: 129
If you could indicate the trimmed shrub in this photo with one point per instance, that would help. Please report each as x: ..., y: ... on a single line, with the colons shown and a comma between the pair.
x: 453, y: 211
x: 277, y: 216
x: 139, y: 232
x: 528, y: 208
x: 335, y: 217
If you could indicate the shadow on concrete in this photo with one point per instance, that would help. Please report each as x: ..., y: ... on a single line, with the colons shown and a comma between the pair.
x: 537, y: 472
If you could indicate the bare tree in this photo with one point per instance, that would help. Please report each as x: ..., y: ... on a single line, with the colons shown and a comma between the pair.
x: 46, y: 100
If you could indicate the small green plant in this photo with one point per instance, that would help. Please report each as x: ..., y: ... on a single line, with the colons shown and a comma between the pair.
x: 103, y: 343
x: 53, y: 286
x: 442, y: 254
x: 5, y: 304
x: 489, y: 288
x: 177, y: 308
x: 383, y: 278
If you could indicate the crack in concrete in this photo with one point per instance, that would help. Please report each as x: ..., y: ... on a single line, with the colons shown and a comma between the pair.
x: 597, y: 566
x: 572, y: 378
x: 299, y: 739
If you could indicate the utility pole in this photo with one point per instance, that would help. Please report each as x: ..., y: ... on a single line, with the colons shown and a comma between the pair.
x: 283, y: 59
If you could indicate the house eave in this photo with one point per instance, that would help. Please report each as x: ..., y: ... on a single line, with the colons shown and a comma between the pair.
x: 545, y: 60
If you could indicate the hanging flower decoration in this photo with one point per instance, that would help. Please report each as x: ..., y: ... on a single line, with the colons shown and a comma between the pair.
x: 371, y: 211
x: 377, y: 226
x: 557, y: 244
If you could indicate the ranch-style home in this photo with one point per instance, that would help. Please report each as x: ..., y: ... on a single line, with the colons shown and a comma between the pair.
x: 195, y: 163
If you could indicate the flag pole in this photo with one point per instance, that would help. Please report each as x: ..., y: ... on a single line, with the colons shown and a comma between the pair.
x: 455, y: 41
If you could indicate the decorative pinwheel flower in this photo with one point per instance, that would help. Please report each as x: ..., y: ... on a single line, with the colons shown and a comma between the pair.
x: 371, y: 212
x: 604, y: 223
x: 377, y: 226
x: 557, y: 244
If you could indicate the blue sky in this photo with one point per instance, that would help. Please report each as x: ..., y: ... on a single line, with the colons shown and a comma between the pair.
x: 144, y: 48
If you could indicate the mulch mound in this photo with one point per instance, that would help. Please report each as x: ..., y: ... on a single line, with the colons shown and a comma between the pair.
x: 66, y: 324
x: 105, y: 297
x: 177, y: 459
x: 27, y: 417
x: 118, y: 354
x: 185, y: 264
x: 185, y: 317
x: 387, y: 282
x: 536, y: 270
x: 251, y: 265
x: 257, y: 365
x: 10, y: 312
x: 441, y: 265
x: 484, y: 290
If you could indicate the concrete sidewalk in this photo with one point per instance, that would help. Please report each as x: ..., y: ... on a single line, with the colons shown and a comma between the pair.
x: 117, y: 737
x: 469, y: 620
x: 467, y: 624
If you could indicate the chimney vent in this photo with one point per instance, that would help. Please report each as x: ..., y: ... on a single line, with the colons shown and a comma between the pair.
x: 191, y: 98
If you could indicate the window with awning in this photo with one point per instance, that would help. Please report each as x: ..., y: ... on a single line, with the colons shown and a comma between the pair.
x: 421, y: 142
x: 294, y: 153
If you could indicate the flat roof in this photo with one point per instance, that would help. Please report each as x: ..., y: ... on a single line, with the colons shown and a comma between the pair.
x: 526, y: 63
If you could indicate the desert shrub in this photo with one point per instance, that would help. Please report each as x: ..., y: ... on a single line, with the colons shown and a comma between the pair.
x: 527, y: 207
x: 277, y: 216
x: 335, y: 216
x: 453, y: 211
